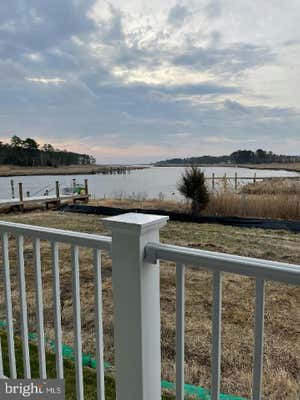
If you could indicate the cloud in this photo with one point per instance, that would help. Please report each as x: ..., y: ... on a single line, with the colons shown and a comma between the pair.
x: 178, y: 14
x: 213, y: 9
x: 121, y: 79
x: 37, y: 25
x: 46, y: 81
x: 232, y: 59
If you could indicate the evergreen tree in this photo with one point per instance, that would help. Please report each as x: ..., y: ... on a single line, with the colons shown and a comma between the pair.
x: 192, y: 187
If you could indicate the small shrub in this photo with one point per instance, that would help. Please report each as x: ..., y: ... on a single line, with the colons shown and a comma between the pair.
x: 192, y: 187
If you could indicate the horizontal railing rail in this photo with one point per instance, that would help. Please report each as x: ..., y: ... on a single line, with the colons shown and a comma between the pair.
x: 57, y: 235
x: 222, y: 262
x: 218, y: 263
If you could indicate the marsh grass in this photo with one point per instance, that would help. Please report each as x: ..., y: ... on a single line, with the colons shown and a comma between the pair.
x: 278, y: 199
x: 275, y: 206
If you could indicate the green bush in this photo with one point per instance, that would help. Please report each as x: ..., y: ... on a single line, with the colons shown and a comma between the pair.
x: 192, y: 187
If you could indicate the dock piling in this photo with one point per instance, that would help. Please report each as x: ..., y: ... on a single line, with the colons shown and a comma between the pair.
x: 86, y: 188
x: 12, y: 185
x: 57, y: 192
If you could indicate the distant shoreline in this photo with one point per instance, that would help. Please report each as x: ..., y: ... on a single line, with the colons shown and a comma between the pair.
x: 12, y: 170
x: 292, y: 167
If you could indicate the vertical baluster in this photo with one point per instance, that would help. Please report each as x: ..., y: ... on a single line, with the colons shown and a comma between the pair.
x: 23, y: 306
x: 180, y: 291
x: 258, y: 339
x: 216, y: 335
x: 99, y: 325
x: 77, y: 322
x: 1, y: 362
x: 8, y: 304
x: 57, y: 311
x: 39, y: 307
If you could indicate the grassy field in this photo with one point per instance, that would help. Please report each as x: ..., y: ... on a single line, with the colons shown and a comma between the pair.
x: 13, y: 170
x: 282, y: 344
x: 275, y: 166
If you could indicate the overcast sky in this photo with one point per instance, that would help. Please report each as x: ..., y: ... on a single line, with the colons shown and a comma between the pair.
x: 140, y: 80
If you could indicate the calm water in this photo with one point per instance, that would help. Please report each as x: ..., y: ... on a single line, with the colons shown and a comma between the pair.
x: 151, y: 182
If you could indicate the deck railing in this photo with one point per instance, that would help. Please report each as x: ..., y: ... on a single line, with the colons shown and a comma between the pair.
x: 218, y: 263
x: 55, y: 237
x: 135, y: 251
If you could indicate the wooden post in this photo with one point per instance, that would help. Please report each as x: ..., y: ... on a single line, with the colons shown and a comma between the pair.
x: 213, y: 181
x: 74, y: 183
x: 57, y: 192
x: 21, y: 205
x: 235, y: 181
x: 86, y: 188
x: 28, y: 193
x: 225, y: 182
x: 254, y: 178
x: 12, y: 185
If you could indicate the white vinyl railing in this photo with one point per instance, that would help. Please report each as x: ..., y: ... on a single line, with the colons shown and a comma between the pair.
x: 55, y: 237
x: 135, y: 251
x: 262, y: 270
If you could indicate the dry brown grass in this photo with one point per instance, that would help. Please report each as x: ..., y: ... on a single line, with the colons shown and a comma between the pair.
x: 282, y: 344
x: 274, y: 187
x: 168, y: 205
x: 276, y: 166
x: 225, y: 203
x: 280, y: 206
x: 278, y: 198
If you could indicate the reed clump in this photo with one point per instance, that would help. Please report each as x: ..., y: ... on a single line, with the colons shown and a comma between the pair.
x: 278, y: 199
x: 274, y: 187
x: 280, y: 206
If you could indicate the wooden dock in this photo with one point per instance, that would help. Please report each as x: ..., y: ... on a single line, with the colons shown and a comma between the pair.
x: 47, y: 200
x: 55, y: 200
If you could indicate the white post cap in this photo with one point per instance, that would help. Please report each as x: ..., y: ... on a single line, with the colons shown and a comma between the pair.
x: 135, y: 223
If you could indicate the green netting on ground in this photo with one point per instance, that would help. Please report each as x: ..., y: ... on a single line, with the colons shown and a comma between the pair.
x: 196, y: 393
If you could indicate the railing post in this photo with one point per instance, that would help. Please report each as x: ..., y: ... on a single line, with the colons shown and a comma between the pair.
x: 136, y: 306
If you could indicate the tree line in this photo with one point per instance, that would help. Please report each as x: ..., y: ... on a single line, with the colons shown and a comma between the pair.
x: 29, y: 153
x: 237, y: 157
